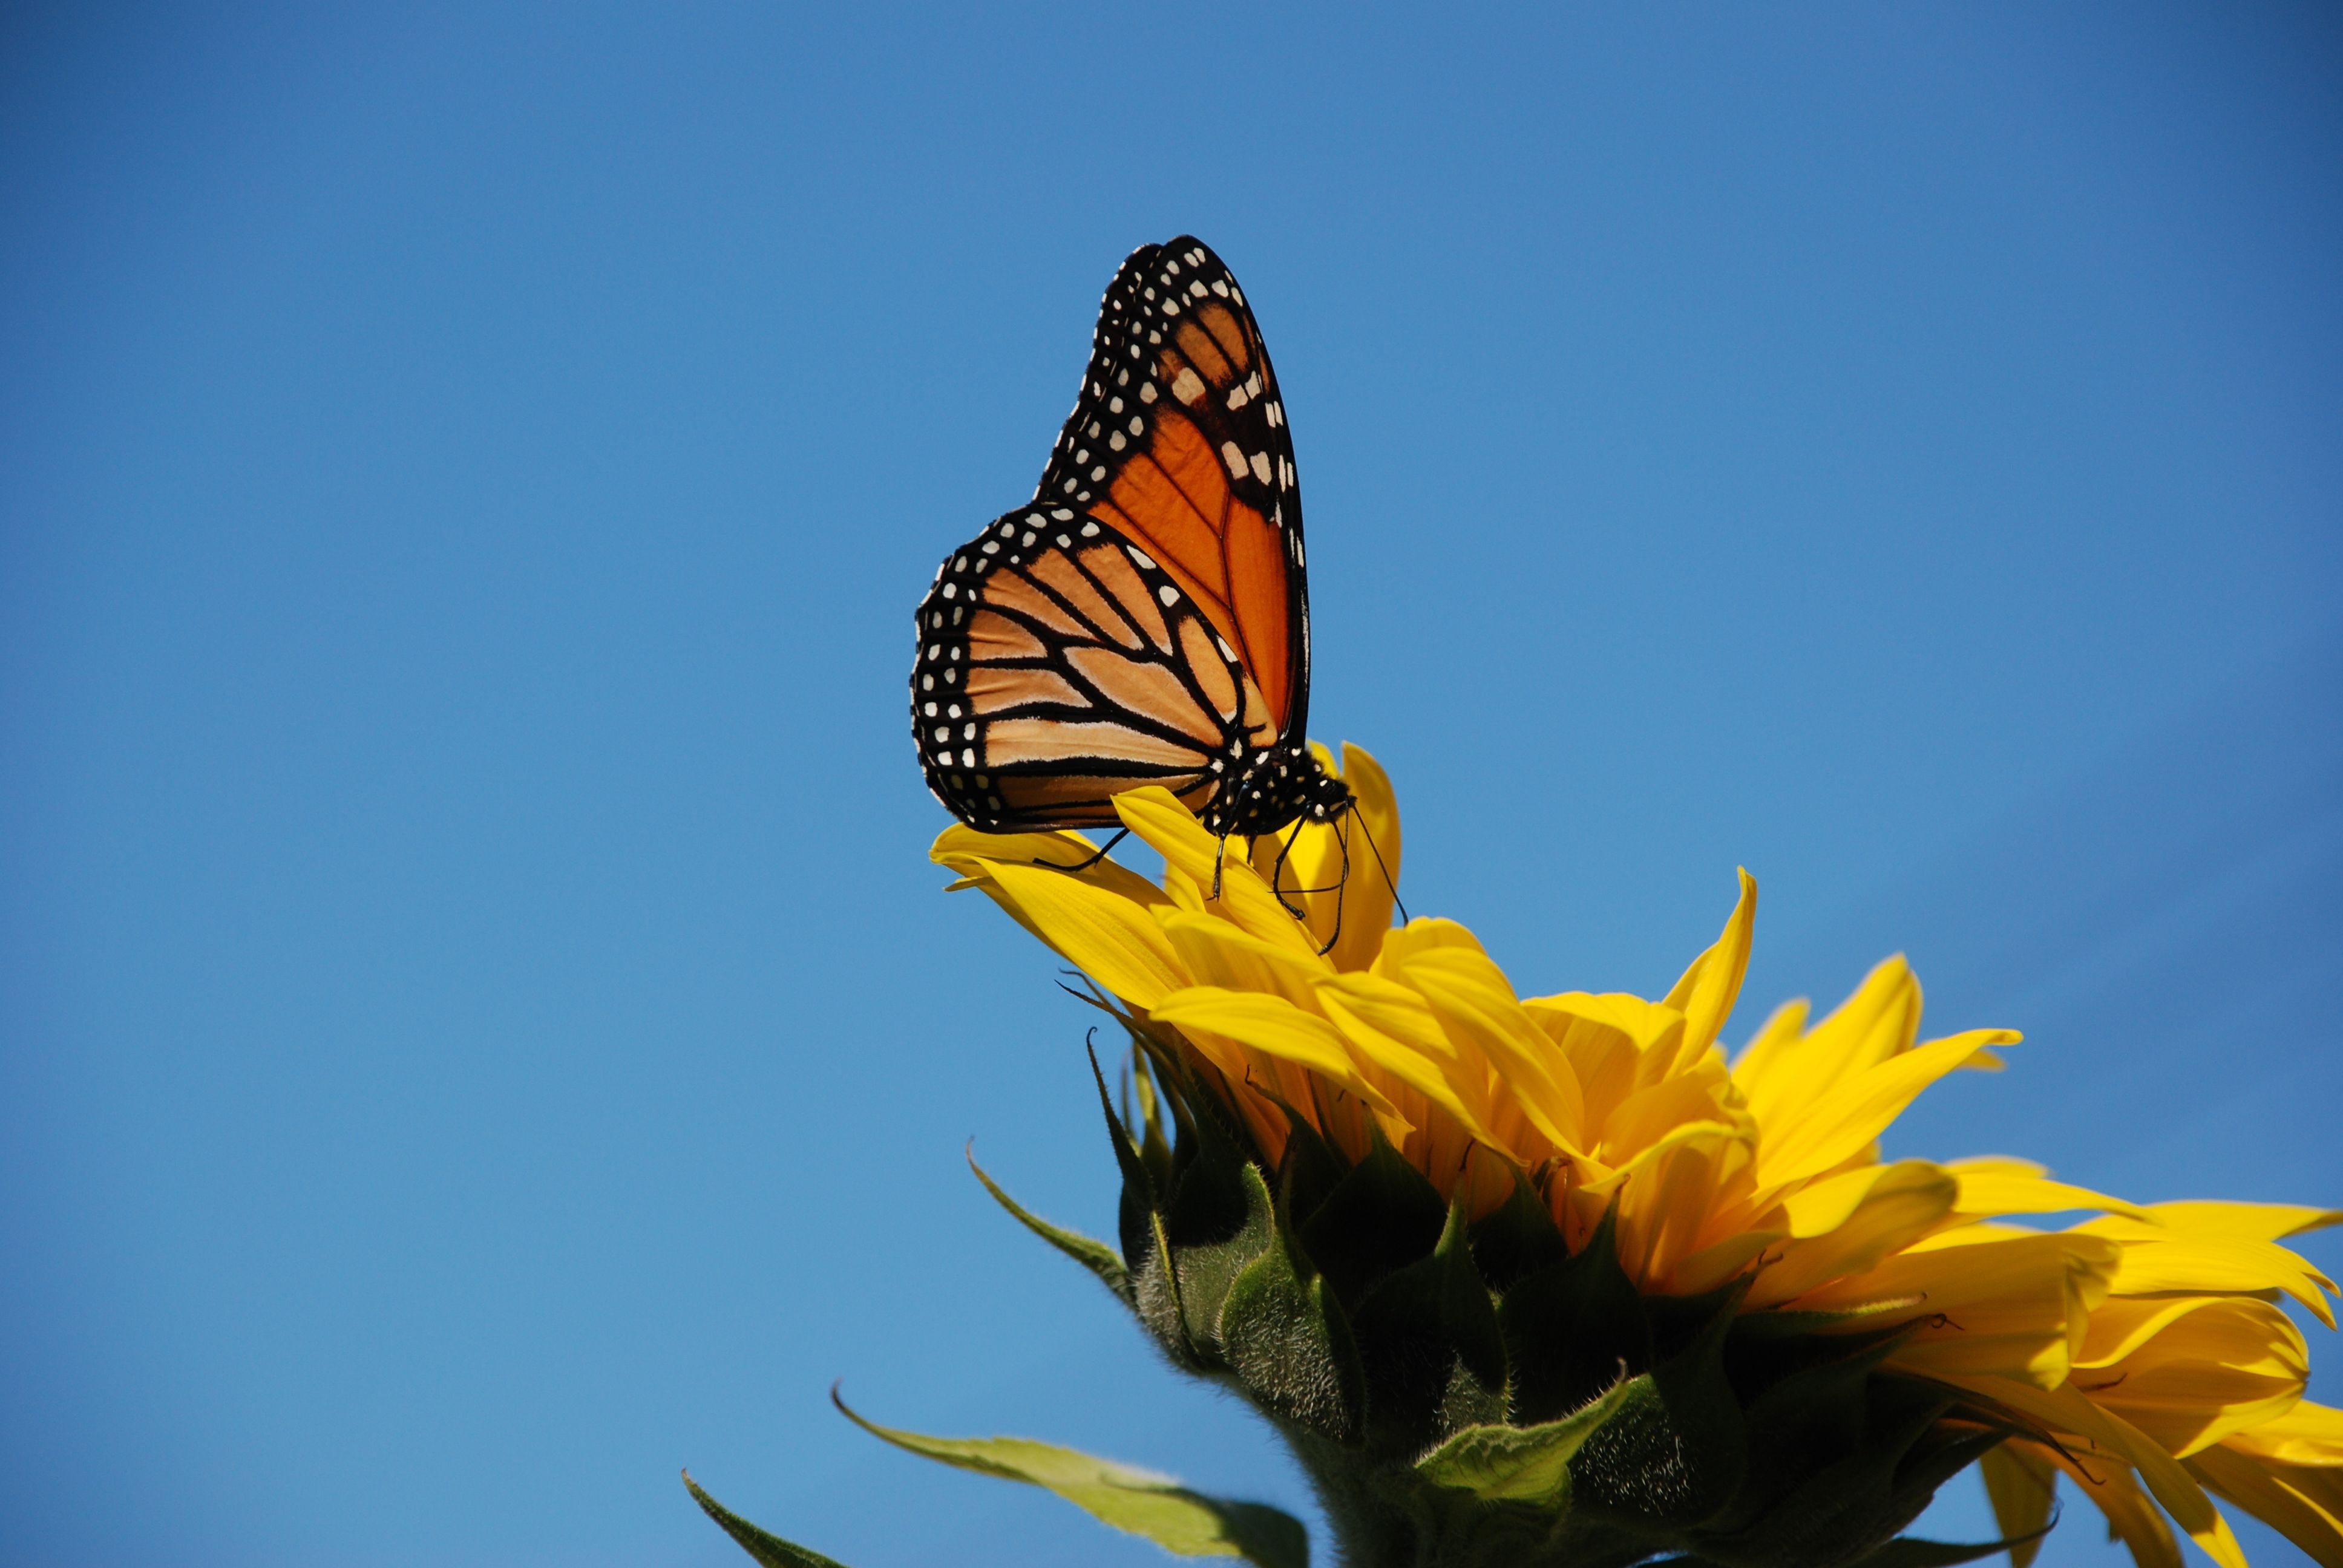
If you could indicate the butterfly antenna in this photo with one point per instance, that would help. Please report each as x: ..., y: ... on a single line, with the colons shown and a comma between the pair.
x: 1389, y: 881
x: 1085, y: 864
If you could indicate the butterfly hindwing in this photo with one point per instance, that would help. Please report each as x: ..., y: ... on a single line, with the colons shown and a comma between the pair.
x: 1178, y: 442
x: 1060, y: 664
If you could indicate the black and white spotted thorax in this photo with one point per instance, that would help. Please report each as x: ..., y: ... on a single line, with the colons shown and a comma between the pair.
x: 1272, y: 787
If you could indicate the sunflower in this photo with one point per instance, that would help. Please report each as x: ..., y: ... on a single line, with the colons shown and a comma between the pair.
x: 1555, y: 1279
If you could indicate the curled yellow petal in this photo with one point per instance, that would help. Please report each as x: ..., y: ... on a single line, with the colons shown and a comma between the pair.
x: 2022, y: 1483
x: 2190, y: 1378
x: 1706, y: 992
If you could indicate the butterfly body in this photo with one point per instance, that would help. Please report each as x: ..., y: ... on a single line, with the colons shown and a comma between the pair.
x: 1145, y: 618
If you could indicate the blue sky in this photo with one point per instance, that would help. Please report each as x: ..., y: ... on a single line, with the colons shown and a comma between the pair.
x: 478, y: 1030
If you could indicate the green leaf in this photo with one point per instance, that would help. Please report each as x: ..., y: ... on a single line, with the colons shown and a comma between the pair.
x: 1153, y: 1507
x: 1525, y: 1463
x: 768, y: 1549
x: 1096, y: 1256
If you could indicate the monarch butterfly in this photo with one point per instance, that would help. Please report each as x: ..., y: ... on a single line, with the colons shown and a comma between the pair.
x: 1145, y: 618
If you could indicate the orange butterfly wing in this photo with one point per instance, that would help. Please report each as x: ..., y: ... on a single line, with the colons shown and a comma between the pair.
x: 1146, y: 619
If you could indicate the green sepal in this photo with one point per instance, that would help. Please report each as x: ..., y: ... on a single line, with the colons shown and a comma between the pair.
x: 1220, y: 1218
x: 1525, y: 1464
x: 1432, y: 1349
x: 763, y: 1545
x: 1096, y: 1256
x: 1776, y: 1324
x: 1154, y: 1149
x: 1382, y: 1216
x: 1516, y: 1239
x: 1572, y: 1327
x: 1910, y: 1551
x: 1308, y: 1172
x: 1811, y: 1411
x: 1139, y: 1194
x: 1137, y: 1502
x: 1673, y: 1459
x: 1155, y: 1296
x: 1290, y: 1344
x: 1842, y: 1506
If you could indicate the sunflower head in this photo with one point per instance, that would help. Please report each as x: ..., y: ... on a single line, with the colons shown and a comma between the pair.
x: 1548, y: 1280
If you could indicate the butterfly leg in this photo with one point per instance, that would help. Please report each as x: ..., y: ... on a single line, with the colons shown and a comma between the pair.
x: 1341, y: 885
x: 1087, y: 863
x: 1277, y: 874
x: 1219, y: 850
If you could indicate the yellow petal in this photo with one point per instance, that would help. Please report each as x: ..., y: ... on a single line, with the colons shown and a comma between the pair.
x: 1373, y: 836
x: 2022, y: 1484
x: 1706, y: 993
x: 2302, y: 1504
x: 1273, y: 1026
x: 2225, y: 1364
x: 968, y: 851
x: 1988, y: 1302
x: 1475, y: 1007
x: 2067, y: 1411
x: 2131, y: 1514
x: 1113, y: 939
x: 2307, y: 1435
x: 1215, y: 952
x: 1880, y: 1020
x: 2157, y: 1258
x: 1774, y: 1039
x: 2018, y: 1186
x: 1899, y: 1204
x: 1394, y: 1029
x: 2248, y: 1222
x: 1844, y: 1118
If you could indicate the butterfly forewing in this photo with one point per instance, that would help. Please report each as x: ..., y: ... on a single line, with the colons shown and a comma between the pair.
x: 1145, y: 619
x: 1179, y: 441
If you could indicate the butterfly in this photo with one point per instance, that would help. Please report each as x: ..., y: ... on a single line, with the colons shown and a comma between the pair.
x: 1145, y: 618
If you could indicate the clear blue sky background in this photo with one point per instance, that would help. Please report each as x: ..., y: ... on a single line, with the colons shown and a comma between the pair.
x: 478, y: 1030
